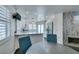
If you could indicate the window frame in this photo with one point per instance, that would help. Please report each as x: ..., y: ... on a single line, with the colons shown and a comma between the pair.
x: 6, y: 20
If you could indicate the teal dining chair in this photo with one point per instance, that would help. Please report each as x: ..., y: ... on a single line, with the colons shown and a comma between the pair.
x: 52, y: 38
x: 24, y: 44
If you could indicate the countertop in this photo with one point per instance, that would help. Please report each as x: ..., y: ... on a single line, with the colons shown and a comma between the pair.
x: 22, y: 33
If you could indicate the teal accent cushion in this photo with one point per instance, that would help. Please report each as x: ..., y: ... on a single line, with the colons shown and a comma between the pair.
x: 24, y: 44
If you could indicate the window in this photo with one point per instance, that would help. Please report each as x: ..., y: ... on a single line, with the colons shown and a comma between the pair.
x: 4, y: 23
x: 76, y: 19
x: 36, y: 28
x: 2, y: 29
x: 32, y: 28
x: 41, y: 28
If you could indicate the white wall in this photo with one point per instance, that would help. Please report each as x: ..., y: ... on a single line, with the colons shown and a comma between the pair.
x: 57, y: 26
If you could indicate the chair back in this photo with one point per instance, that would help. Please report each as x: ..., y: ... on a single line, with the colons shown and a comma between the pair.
x: 52, y: 38
x: 24, y: 44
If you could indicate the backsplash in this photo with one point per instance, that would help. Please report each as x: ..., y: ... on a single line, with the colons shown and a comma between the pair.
x: 69, y: 28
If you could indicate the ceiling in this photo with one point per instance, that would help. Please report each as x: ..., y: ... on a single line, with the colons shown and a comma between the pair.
x: 40, y: 12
